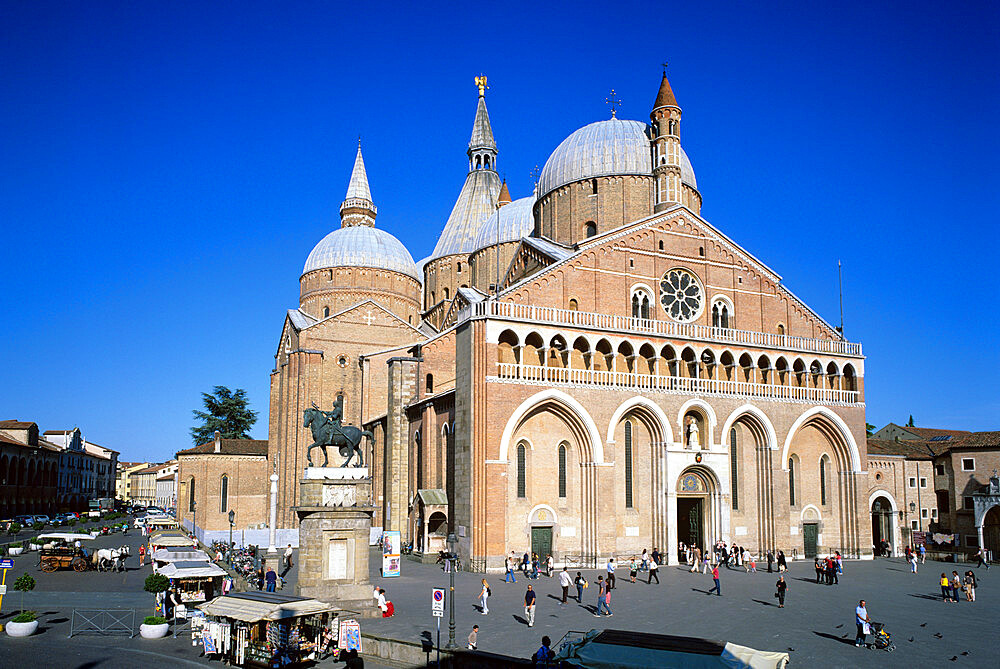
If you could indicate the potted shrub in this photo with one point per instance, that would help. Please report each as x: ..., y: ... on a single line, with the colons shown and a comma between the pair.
x: 14, y: 528
x: 38, y: 527
x: 155, y: 627
x: 25, y: 623
x: 15, y: 548
x: 33, y: 544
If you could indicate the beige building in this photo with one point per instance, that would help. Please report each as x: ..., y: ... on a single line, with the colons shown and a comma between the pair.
x: 221, y: 476
x: 142, y: 485
x: 123, y: 484
x: 630, y: 378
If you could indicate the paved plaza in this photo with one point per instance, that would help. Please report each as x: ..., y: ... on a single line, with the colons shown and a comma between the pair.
x: 816, y: 626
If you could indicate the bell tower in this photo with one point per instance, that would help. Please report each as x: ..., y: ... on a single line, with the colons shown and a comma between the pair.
x: 666, y: 120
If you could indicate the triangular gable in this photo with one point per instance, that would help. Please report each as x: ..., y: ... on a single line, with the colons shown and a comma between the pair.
x: 369, y: 303
x: 463, y: 297
x: 710, y: 231
x: 531, y: 256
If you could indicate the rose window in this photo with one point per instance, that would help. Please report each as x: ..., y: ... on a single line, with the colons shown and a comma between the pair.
x: 681, y: 295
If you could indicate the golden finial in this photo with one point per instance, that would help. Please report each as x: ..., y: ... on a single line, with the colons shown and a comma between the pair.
x: 481, y: 83
x: 614, y: 102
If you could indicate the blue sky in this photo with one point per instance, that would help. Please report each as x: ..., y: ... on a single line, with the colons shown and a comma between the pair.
x: 166, y: 170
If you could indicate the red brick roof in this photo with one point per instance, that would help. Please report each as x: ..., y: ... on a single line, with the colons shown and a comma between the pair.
x: 230, y: 447
x: 146, y: 470
x: 931, y: 432
x: 14, y: 442
x: 977, y: 440
x: 16, y: 424
x: 916, y: 450
x: 665, y: 96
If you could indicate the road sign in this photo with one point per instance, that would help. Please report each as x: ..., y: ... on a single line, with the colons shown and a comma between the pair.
x: 437, y: 602
x: 3, y: 589
x: 7, y: 563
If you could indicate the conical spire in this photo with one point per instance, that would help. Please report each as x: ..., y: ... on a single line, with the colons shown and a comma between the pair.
x: 504, y: 197
x: 358, y: 208
x: 358, y: 187
x: 482, y: 132
x: 665, y: 97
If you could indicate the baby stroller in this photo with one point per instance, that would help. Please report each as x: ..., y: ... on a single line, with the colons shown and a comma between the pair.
x: 882, y: 640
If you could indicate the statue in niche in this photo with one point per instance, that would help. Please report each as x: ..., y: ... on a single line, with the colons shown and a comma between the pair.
x: 693, y: 441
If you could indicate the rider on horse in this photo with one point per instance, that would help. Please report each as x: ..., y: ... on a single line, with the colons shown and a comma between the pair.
x: 335, y: 417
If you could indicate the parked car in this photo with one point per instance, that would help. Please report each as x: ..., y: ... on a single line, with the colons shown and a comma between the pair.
x: 154, y: 509
x: 42, y: 518
x: 25, y: 521
x: 58, y: 520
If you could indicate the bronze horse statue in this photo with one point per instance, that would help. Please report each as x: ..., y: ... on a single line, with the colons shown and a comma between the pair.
x: 346, y: 438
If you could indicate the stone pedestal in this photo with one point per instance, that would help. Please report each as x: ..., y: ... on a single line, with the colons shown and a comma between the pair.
x: 335, y: 517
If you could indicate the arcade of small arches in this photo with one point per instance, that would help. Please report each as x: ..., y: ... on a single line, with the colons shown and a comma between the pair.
x: 688, y: 362
x: 26, y: 480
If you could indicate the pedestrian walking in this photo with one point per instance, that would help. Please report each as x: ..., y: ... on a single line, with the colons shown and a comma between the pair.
x: 271, y: 579
x: 923, y: 554
x: 473, y: 638
x: 511, y: 565
x: 753, y: 565
x: 956, y: 584
x: 601, y: 589
x: 970, y: 586
x: 260, y: 576
x: 839, y: 562
x: 705, y: 563
x: 549, y: 566
x: 544, y: 655
x: 781, y: 586
x: 819, y: 569
x: 696, y: 562
x: 564, y: 581
x: 525, y: 563
x: 142, y: 554
x: 913, y: 563
x: 581, y: 583
x: 655, y: 555
x: 484, y: 595
x: 945, y: 588
x: 529, y: 606
x: 611, y: 573
x: 607, y: 602
x: 981, y: 555
x: 717, y: 587
x: 645, y: 559
x: 770, y: 562
x: 864, y: 624
x: 653, y: 568
x: 633, y: 569
x: 782, y: 565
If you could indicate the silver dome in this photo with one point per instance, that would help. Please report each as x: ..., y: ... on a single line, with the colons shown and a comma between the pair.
x: 361, y: 246
x: 604, y: 148
x: 514, y: 220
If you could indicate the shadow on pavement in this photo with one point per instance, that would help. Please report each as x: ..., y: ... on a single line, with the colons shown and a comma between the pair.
x: 834, y: 637
x: 762, y: 602
x: 921, y: 595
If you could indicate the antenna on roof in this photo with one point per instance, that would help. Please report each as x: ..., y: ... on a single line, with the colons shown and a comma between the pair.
x: 840, y: 279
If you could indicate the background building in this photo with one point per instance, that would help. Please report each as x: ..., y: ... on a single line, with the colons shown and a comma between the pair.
x: 166, y: 485
x: 29, y: 471
x: 123, y: 484
x: 86, y: 470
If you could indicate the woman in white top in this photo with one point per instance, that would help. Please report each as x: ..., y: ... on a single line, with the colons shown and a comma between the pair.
x: 484, y: 595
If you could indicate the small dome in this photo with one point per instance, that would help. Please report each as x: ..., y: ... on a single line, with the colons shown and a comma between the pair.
x: 514, y: 220
x: 361, y: 246
x: 604, y: 148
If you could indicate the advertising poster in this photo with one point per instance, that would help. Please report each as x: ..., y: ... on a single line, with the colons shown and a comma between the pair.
x: 350, y: 635
x: 391, y: 543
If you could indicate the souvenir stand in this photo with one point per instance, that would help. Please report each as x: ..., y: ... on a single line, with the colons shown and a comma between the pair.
x: 266, y: 629
x: 194, y: 582
x: 170, y: 539
x: 163, y: 556
x: 161, y: 523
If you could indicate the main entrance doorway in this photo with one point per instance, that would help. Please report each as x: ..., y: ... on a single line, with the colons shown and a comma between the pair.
x: 810, y: 534
x: 991, y: 531
x: 690, y: 526
x: 541, y: 541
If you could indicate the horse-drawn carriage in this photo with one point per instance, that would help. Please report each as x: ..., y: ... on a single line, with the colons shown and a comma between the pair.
x: 59, y: 551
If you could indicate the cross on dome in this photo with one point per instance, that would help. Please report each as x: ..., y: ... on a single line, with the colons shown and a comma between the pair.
x: 614, y: 102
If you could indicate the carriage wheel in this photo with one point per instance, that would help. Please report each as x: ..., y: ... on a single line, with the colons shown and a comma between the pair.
x: 50, y: 566
x: 79, y: 564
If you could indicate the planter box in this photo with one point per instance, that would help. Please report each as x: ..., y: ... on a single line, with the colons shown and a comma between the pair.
x: 21, y: 629
x: 153, y: 631
x: 15, y: 551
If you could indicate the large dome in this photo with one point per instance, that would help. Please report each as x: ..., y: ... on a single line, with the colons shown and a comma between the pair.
x: 513, y: 220
x: 361, y: 246
x: 604, y: 148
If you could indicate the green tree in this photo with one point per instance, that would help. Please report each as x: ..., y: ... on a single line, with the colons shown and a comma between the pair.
x: 24, y: 583
x: 228, y: 412
x: 910, y: 423
x: 870, y: 429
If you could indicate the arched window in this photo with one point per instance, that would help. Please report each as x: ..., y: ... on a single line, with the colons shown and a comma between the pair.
x: 224, y: 494
x: 721, y: 314
x: 459, y: 268
x: 635, y: 305
x: 191, y: 495
x: 661, y: 244
x: 590, y: 229
x: 574, y: 305
x: 562, y: 470
x: 593, y: 186
x: 823, y: 467
x: 781, y: 329
x: 446, y: 293
x: 521, y: 467
x: 430, y: 384
x: 733, y: 470
x: 326, y: 312
x: 432, y: 298
x: 641, y: 299
x: 673, y: 127
x: 791, y: 481
x: 628, y: 464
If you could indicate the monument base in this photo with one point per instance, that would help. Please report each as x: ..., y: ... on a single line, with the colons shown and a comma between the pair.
x: 335, y: 473
x: 335, y: 517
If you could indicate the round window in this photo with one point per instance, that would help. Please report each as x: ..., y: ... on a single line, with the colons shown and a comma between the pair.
x: 681, y: 295
x: 342, y: 361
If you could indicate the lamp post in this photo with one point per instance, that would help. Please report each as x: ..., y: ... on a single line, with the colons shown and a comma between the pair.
x: 913, y: 508
x: 194, y: 522
x: 452, y: 541
x: 229, y: 550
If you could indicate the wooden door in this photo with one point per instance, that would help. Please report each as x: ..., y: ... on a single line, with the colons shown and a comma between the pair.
x: 810, y: 533
x: 541, y: 541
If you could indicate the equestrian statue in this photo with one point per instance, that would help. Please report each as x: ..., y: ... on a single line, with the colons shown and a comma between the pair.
x: 328, y: 430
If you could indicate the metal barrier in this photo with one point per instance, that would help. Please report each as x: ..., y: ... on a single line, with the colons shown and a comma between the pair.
x: 103, y: 622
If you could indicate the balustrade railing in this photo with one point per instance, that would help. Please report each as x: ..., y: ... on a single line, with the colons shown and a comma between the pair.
x: 655, y: 382
x: 587, y: 319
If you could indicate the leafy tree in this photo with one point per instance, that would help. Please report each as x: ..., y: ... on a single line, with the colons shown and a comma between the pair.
x: 24, y: 583
x: 228, y: 412
x: 910, y: 423
x: 156, y: 583
x: 870, y: 429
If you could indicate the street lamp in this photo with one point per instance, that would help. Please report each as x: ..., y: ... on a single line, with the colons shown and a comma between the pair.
x: 194, y: 521
x: 229, y: 551
x: 452, y: 541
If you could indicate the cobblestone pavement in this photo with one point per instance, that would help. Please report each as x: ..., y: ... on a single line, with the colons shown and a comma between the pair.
x: 816, y: 627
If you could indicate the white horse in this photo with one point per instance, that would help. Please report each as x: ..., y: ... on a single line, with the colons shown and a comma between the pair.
x: 111, y: 559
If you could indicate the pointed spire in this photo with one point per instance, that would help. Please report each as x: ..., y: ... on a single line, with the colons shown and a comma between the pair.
x: 665, y: 97
x: 504, y: 197
x: 358, y: 186
x: 482, y: 132
x: 358, y: 208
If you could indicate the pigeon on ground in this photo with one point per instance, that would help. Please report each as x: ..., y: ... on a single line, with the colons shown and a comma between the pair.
x: 965, y: 652
x: 923, y: 624
x: 938, y: 635
x: 839, y: 626
x: 954, y: 658
x: 911, y: 639
x: 791, y: 649
x: 843, y: 636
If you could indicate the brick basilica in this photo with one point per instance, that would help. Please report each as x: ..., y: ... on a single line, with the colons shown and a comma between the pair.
x: 588, y: 371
